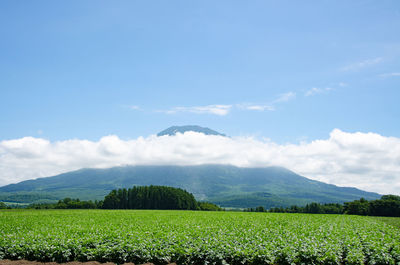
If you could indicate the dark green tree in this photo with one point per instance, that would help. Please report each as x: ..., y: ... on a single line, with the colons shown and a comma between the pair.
x: 150, y: 197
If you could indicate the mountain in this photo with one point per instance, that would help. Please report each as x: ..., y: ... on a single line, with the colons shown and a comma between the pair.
x: 186, y: 128
x: 225, y: 185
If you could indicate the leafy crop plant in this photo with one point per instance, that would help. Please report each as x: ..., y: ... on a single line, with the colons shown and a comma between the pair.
x: 190, y: 237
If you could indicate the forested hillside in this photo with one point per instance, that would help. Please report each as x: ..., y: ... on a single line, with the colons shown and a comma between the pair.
x: 225, y: 185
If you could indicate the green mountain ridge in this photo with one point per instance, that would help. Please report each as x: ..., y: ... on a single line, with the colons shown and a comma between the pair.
x: 225, y: 185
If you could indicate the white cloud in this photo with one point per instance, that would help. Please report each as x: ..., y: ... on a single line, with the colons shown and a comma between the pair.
x: 368, y: 161
x: 256, y: 107
x: 363, y: 64
x: 260, y: 107
x: 317, y: 90
x: 270, y: 106
x: 389, y: 74
x: 285, y: 97
x: 220, y: 110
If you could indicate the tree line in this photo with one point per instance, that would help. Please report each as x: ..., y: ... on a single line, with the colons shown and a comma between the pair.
x: 137, y: 197
x: 163, y: 197
x: 68, y: 203
x: 150, y: 197
x: 387, y: 205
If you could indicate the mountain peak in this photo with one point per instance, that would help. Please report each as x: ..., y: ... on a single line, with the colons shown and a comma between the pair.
x: 173, y: 130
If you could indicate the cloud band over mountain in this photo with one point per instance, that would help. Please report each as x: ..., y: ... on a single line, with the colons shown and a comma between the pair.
x: 367, y: 161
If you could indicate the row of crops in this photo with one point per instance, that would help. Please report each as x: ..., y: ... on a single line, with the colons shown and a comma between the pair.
x: 187, y: 237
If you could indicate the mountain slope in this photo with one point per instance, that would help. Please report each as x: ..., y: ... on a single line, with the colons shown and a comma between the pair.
x: 186, y: 128
x: 228, y: 186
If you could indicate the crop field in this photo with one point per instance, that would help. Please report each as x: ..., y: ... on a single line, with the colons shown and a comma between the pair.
x: 187, y: 237
x: 394, y: 221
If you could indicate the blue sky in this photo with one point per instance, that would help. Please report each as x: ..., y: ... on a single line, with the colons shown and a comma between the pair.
x: 313, y: 86
x: 285, y: 70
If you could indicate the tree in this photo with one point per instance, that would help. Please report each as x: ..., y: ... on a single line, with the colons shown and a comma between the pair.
x: 313, y: 208
x: 208, y: 206
x: 260, y: 209
x: 357, y: 207
x: 111, y: 200
x: 388, y: 205
x: 150, y: 197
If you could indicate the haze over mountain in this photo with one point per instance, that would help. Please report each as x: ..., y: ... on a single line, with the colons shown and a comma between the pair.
x: 226, y: 185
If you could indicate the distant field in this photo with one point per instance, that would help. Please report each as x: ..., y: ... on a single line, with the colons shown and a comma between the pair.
x: 187, y: 237
x: 394, y: 221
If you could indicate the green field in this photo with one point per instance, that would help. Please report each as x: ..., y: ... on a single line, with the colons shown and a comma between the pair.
x: 187, y: 237
x: 394, y: 221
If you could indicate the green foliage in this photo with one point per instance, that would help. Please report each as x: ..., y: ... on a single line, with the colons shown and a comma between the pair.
x: 141, y: 197
x: 388, y: 205
x: 208, y: 206
x: 316, y: 208
x: 3, y: 205
x: 150, y: 197
x: 390, y: 197
x: 394, y: 221
x: 190, y: 237
x: 359, y: 207
x: 68, y: 203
